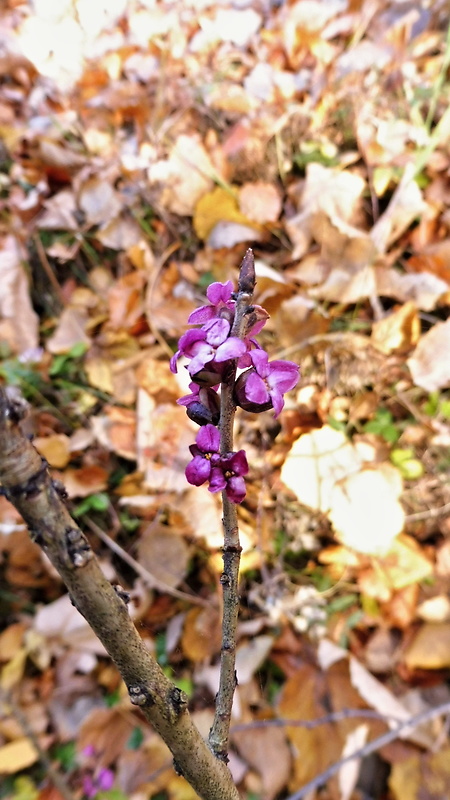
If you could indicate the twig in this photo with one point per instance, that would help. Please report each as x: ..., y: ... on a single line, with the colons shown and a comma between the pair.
x: 310, y: 724
x: 371, y: 747
x: 149, y: 579
x: 220, y: 730
x: 58, y: 780
x: 27, y: 484
x: 429, y: 513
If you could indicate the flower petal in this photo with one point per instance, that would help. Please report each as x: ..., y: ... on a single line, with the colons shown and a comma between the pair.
x: 255, y: 389
x: 230, y: 349
x: 217, y: 481
x: 277, y: 401
x: 217, y: 330
x: 235, y: 489
x: 219, y: 292
x: 202, y: 314
x: 260, y: 362
x: 208, y: 439
x: 238, y: 463
x: 283, y: 375
x: 198, y: 471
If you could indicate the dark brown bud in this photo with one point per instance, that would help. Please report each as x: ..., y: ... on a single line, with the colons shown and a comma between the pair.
x: 247, y: 276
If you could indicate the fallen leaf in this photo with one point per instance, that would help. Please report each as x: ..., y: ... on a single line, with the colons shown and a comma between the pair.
x: 98, y: 201
x: 85, y: 481
x: 422, y: 776
x: 164, y: 553
x: 430, y: 647
x: 54, y: 448
x: 430, y: 363
x: 18, y: 320
x: 186, y: 176
x: 201, y: 638
x: 17, y: 755
x: 120, y: 234
x: 397, y: 332
x: 71, y: 330
x: 219, y: 205
x: 260, y: 202
x: 365, y: 510
x: 258, y: 747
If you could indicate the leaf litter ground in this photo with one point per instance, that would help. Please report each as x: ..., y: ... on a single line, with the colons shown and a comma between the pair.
x: 144, y: 147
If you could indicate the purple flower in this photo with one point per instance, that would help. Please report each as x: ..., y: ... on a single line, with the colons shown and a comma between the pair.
x: 208, y: 345
x: 219, y: 296
x: 263, y: 386
x: 228, y: 476
x: 102, y: 782
x: 206, y: 454
x: 224, y: 472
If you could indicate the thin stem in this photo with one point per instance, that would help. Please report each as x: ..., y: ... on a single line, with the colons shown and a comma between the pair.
x: 220, y: 731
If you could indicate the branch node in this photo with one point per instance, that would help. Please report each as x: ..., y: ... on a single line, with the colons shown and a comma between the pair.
x: 78, y: 549
x: 122, y: 594
x: 177, y: 703
x: 140, y: 695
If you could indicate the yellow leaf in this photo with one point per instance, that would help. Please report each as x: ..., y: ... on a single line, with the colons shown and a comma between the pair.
x: 17, y: 755
x: 54, y: 448
x: 220, y: 205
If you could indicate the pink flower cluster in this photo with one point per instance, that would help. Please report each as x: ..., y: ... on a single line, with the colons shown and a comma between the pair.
x: 209, y: 350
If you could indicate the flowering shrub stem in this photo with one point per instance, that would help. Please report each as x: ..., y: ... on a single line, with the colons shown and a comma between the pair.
x: 219, y: 734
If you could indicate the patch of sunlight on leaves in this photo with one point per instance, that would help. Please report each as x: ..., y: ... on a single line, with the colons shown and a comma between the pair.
x: 111, y: 794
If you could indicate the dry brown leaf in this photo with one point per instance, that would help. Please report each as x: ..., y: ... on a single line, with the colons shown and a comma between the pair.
x: 398, y: 332
x: 71, y: 330
x: 430, y: 648
x: 267, y: 751
x: 202, y: 637
x: 430, y: 363
x: 18, y: 321
x: 315, y: 749
x: 116, y: 430
x: 107, y: 730
x: 164, y: 434
x: 54, y: 448
x: 365, y: 510
x: 422, y: 776
x: 85, y: 481
x: 60, y: 212
x: 120, y: 234
x: 405, y: 206
x: 98, y: 201
x: 186, y: 176
x: 11, y: 640
x: 260, y: 202
x: 164, y: 553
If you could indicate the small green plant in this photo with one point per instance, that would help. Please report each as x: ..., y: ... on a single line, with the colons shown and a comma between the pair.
x: 383, y: 425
